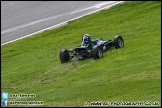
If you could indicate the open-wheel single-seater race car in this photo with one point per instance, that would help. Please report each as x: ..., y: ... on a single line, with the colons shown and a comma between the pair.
x: 91, y: 48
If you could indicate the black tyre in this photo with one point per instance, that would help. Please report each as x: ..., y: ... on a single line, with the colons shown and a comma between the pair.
x: 97, y: 52
x: 64, y: 56
x: 118, y: 42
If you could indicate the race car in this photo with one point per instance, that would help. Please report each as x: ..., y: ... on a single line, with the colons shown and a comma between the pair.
x: 91, y: 48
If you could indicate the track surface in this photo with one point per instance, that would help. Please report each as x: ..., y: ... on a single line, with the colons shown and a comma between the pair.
x: 21, y: 18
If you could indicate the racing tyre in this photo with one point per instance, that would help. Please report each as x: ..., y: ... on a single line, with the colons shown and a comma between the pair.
x: 118, y: 42
x: 64, y: 56
x: 97, y: 52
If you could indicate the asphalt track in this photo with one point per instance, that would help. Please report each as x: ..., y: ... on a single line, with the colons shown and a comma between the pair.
x: 20, y: 19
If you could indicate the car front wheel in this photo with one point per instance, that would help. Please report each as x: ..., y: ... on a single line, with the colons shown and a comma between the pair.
x: 118, y: 42
x: 97, y: 52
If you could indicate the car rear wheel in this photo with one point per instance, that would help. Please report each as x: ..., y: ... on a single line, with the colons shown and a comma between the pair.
x: 64, y: 56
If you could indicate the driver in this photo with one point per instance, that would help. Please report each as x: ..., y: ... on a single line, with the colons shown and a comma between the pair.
x: 86, y: 41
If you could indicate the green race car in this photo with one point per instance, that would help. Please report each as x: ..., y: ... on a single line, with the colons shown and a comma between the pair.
x: 91, y: 48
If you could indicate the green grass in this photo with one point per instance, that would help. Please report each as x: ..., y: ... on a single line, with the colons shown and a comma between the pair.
x: 132, y: 73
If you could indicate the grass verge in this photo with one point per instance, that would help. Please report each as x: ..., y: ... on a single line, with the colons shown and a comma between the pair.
x: 131, y: 73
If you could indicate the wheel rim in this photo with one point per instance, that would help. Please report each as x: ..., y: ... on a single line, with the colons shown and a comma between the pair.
x: 120, y: 42
x: 99, y: 53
